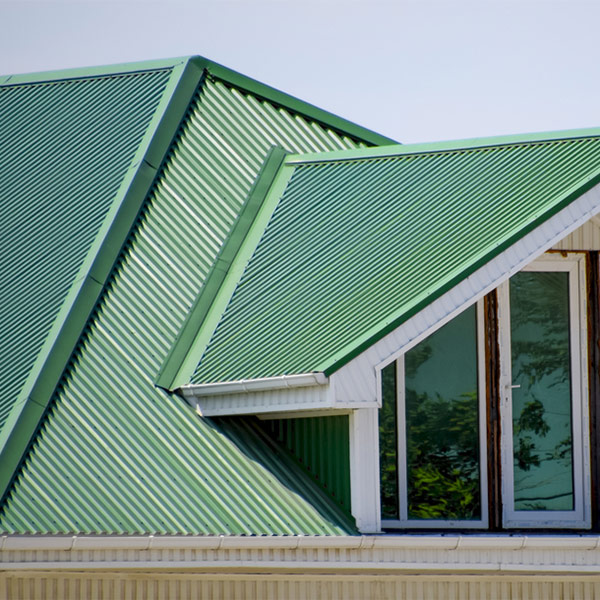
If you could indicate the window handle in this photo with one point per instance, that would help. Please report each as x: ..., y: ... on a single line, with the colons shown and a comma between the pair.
x: 514, y: 386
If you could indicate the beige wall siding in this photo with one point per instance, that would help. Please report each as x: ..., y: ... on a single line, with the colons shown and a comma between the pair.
x: 184, y: 586
x: 587, y: 237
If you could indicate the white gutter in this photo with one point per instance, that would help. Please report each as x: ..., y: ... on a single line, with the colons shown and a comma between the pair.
x: 559, y: 556
x: 364, y: 542
x: 254, y: 385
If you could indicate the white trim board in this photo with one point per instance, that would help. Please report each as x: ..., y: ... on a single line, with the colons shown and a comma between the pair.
x: 580, y: 515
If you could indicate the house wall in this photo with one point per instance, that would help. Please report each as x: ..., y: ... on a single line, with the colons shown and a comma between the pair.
x: 586, y: 237
x: 116, y: 586
x: 321, y: 446
x: 412, y: 567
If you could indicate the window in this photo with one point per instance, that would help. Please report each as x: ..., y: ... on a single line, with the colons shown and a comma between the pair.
x: 544, y: 396
x: 434, y: 419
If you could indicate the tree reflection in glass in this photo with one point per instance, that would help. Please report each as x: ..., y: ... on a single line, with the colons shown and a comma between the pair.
x: 442, y: 424
x: 541, y: 394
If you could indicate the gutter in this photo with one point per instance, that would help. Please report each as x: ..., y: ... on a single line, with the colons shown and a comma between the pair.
x: 254, y: 385
x: 358, y: 542
x: 557, y: 556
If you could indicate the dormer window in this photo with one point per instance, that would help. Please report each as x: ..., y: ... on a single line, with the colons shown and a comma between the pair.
x: 436, y: 412
x: 434, y: 399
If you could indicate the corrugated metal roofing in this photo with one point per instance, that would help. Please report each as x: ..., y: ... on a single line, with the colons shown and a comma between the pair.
x: 66, y: 146
x: 359, y: 244
x: 115, y: 453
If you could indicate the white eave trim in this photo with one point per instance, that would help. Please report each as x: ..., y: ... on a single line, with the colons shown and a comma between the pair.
x: 254, y: 385
x: 448, y: 554
x: 444, y: 542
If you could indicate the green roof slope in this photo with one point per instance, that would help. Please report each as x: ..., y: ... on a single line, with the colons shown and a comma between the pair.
x: 117, y: 454
x: 69, y: 150
x: 360, y: 241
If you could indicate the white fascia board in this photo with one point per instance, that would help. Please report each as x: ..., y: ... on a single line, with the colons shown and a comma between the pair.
x: 448, y: 554
x: 278, y: 411
x: 32, y: 543
x: 290, y: 395
x: 244, y: 386
x: 357, y: 380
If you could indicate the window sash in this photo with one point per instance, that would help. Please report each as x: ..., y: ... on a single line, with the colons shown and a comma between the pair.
x: 404, y: 521
x: 579, y: 517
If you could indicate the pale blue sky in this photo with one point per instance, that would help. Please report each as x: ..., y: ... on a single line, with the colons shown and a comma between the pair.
x: 415, y: 71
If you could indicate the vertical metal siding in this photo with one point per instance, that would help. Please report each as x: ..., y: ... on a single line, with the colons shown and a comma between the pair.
x: 118, y: 455
x: 587, y: 237
x: 186, y: 586
x: 321, y: 446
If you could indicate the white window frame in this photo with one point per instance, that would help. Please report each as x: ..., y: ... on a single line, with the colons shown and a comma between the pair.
x: 404, y: 522
x: 580, y: 517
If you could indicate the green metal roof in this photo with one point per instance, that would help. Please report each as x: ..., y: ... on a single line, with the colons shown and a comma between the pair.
x: 360, y: 241
x: 114, y: 453
x: 78, y: 154
x: 66, y: 148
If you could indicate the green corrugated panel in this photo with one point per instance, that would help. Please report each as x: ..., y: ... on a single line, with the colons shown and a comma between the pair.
x: 355, y: 247
x: 65, y: 147
x: 116, y: 454
x: 322, y: 446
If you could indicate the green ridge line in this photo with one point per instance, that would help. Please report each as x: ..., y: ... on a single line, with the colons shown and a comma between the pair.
x: 236, y: 251
x: 92, y: 72
x: 275, y: 96
x: 323, y: 117
x: 444, y: 146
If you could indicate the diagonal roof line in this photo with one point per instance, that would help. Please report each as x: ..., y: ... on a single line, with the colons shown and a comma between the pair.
x: 72, y: 318
x: 220, y: 284
x: 219, y: 71
x: 442, y: 146
x: 323, y: 117
x: 487, y: 261
x: 279, y: 253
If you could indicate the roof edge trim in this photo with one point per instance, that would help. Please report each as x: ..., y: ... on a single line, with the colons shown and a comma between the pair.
x: 254, y: 385
x: 376, y: 333
x: 94, y: 71
x: 221, y: 281
x: 306, y: 109
x: 73, y: 316
x: 219, y: 71
x: 444, y: 146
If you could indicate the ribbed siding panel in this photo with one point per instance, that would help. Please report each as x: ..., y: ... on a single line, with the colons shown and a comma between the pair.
x: 355, y: 245
x: 321, y: 446
x: 185, y: 586
x: 65, y: 147
x: 586, y: 237
x: 118, y: 455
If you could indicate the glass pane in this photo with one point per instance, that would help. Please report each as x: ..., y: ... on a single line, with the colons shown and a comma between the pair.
x: 542, y: 438
x: 442, y: 423
x: 388, y: 443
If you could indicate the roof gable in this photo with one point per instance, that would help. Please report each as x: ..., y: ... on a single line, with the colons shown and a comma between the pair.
x: 361, y: 241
